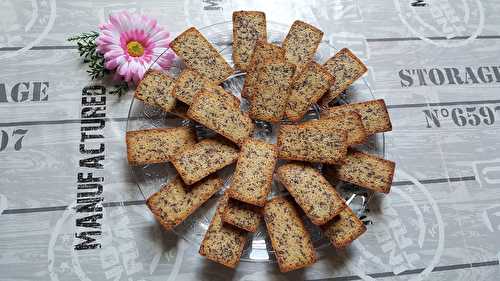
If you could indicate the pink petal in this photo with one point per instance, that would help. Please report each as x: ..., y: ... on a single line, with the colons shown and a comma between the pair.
x: 123, y: 68
x: 138, y: 72
x: 107, y: 40
x: 134, y: 64
x: 150, y: 25
x: 114, y: 63
x: 139, y: 35
x: 160, y: 35
x: 164, y: 62
x: 162, y: 43
x: 158, y: 50
x: 110, y: 64
x: 115, y: 21
x: 146, y: 59
x: 115, y: 36
x: 170, y: 56
x: 123, y: 40
x: 103, y: 48
x: 113, y: 54
x: 142, y: 70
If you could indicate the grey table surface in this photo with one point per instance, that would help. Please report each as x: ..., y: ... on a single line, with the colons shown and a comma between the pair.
x: 436, y: 64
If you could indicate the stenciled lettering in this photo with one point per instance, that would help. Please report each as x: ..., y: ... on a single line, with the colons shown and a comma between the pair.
x: 448, y: 76
x: 26, y: 91
x: 90, y: 185
x: 461, y: 116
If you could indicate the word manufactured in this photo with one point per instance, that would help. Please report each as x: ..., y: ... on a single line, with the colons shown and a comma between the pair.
x: 90, y: 181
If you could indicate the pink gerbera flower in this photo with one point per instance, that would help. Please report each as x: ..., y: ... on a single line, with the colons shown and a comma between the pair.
x: 131, y: 43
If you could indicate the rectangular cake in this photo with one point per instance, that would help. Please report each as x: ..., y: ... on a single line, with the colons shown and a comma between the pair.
x: 200, y: 160
x: 307, y: 88
x: 253, y: 176
x: 242, y: 215
x: 365, y: 170
x: 228, y: 97
x: 349, y: 121
x: 346, y: 68
x: 176, y: 201
x: 248, y: 27
x: 223, y: 243
x: 221, y: 113
x: 155, y: 88
x: 313, y: 143
x: 268, y: 103
x: 263, y: 52
x: 290, y: 239
x: 343, y: 229
x: 374, y: 115
x: 201, y: 56
x: 157, y: 145
x: 187, y: 85
x: 301, y: 42
x: 314, y: 194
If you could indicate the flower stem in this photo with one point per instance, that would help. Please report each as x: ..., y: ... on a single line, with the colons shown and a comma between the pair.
x: 120, y: 89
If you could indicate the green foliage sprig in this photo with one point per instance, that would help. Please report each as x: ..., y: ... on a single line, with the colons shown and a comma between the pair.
x: 87, y: 49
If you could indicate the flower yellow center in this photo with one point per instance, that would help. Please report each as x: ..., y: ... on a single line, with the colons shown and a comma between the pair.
x: 135, y: 49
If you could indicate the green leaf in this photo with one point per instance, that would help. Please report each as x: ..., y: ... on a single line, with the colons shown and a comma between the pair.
x: 87, y: 50
x: 84, y: 36
x: 120, y: 89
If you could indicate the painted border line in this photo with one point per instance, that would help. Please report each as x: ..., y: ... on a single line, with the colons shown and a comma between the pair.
x: 41, y: 48
x: 383, y: 39
x: 124, y: 119
x: 143, y: 202
x: 64, y: 121
x: 441, y: 180
x: 412, y: 105
x: 414, y: 271
x: 438, y: 38
x: 62, y: 208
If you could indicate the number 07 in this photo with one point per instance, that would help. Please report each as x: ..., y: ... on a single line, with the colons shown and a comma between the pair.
x: 19, y: 142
